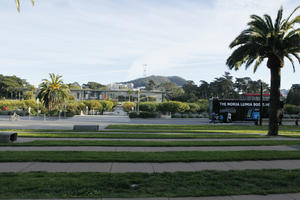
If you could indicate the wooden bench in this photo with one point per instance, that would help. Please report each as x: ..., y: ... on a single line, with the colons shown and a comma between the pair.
x: 86, y: 127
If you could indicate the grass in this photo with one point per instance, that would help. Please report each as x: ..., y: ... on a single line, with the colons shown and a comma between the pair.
x: 180, y: 156
x: 155, y: 143
x: 135, y: 135
x: 198, y: 127
x: 178, y: 184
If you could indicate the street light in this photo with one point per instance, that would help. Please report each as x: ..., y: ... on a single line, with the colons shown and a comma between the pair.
x: 261, y: 103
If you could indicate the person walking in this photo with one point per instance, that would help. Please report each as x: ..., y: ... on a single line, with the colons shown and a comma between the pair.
x: 229, y: 117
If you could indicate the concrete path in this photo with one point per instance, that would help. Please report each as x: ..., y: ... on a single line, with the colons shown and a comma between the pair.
x: 29, y: 139
x: 118, y: 167
x: 288, y: 196
x: 101, y: 120
x: 148, y: 149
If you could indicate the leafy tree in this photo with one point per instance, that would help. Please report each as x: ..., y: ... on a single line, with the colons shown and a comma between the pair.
x: 129, y: 92
x: 204, y: 89
x: 171, y: 90
x: 150, y: 85
x: 222, y: 87
x: 74, y: 86
x: 12, y: 86
x: 272, y: 41
x: 128, y: 106
x: 293, y: 96
x: 93, y: 86
x: 53, y: 92
x: 28, y: 95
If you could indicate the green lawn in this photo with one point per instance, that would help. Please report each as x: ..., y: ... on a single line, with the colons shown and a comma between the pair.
x: 179, y: 184
x: 155, y: 143
x: 180, y: 156
x: 198, y: 127
x: 134, y: 135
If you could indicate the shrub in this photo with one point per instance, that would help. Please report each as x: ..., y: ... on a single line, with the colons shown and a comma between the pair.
x: 73, y: 109
x: 204, y: 105
x: 133, y: 115
x: 142, y: 114
x: 128, y: 106
x: 173, y: 106
x: 147, y: 114
x: 93, y: 105
x: 194, y: 107
x: 291, y: 109
x: 107, y: 105
x: 148, y: 106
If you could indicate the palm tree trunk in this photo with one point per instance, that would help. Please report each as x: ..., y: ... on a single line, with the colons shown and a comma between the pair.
x: 274, y: 109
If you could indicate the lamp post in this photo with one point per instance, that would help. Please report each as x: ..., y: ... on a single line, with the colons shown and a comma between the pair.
x: 261, y: 104
x: 38, y: 107
x: 138, y: 101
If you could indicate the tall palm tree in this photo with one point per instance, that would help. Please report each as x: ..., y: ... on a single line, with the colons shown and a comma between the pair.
x: 18, y: 4
x: 274, y: 41
x: 53, y: 92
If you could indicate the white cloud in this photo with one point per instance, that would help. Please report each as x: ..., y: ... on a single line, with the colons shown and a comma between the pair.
x: 165, y: 35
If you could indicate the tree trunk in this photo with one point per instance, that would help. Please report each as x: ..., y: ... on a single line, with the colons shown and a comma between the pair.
x: 274, y: 109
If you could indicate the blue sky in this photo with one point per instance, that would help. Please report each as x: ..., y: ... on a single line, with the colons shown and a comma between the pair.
x: 110, y: 40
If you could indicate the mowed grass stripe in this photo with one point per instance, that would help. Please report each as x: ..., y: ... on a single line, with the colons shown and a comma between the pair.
x: 135, y: 135
x: 178, y: 184
x: 156, y: 143
x: 198, y: 127
x: 182, y: 156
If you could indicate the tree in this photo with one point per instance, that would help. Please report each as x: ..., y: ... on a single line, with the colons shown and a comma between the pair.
x: 171, y: 90
x: 93, y: 86
x: 272, y: 41
x: 18, y: 4
x: 150, y: 85
x: 13, y: 86
x: 293, y: 96
x: 130, y: 92
x: 74, y: 86
x: 204, y: 89
x: 222, y: 87
x: 53, y: 92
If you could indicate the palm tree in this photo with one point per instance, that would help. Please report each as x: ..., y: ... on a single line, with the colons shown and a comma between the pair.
x: 53, y: 92
x: 18, y: 4
x: 274, y: 42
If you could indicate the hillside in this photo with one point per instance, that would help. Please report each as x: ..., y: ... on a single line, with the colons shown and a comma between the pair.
x: 141, y: 82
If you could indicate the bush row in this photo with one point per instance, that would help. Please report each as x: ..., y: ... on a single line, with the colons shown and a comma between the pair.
x: 168, y: 107
x: 72, y: 107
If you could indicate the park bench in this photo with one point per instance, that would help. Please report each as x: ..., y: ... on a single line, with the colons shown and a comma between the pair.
x: 86, y: 127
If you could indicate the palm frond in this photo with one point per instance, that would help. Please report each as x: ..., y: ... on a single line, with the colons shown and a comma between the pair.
x: 278, y: 19
x: 291, y: 60
x: 257, y: 63
x: 18, y: 5
x: 269, y: 22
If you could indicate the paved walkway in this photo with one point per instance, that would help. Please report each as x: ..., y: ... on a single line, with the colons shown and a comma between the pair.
x: 148, y: 149
x: 29, y: 139
x: 115, y: 167
x: 289, y: 196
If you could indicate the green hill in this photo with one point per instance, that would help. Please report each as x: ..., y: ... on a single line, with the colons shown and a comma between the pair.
x: 141, y: 82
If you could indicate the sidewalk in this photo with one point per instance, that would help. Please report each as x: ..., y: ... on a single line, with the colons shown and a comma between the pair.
x: 288, y: 196
x: 148, y: 149
x: 116, y: 167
